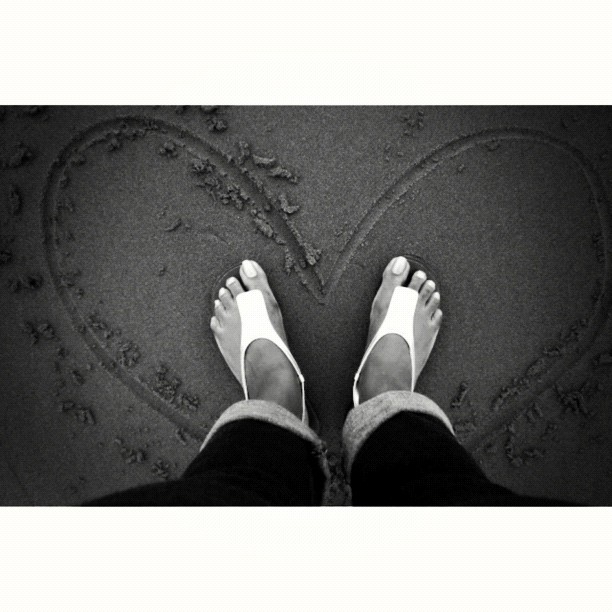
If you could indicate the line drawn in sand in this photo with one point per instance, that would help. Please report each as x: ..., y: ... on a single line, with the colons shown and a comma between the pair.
x: 222, y: 175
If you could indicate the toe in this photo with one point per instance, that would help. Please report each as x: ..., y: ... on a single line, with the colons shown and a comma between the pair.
x: 219, y: 308
x: 226, y: 297
x: 437, y: 318
x: 396, y: 272
x: 434, y: 302
x: 426, y: 290
x: 253, y: 276
x: 417, y: 280
x: 394, y: 275
x: 215, y: 325
x: 233, y: 284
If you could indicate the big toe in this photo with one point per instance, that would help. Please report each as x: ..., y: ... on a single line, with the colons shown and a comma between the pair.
x: 253, y: 276
x: 395, y: 273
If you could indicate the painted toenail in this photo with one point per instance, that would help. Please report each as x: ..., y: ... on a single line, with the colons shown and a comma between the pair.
x: 399, y: 265
x: 249, y: 268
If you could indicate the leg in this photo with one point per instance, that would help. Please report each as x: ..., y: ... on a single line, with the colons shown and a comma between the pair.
x: 400, y: 446
x: 400, y: 452
x: 259, y: 452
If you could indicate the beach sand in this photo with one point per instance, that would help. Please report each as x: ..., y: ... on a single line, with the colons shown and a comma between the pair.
x: 116, y: 223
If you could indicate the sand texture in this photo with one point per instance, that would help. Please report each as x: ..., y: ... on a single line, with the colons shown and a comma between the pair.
x: 115, y: 224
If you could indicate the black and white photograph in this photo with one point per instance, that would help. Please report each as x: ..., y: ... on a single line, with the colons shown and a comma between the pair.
x: 305, y: 307
x: 301, y: 305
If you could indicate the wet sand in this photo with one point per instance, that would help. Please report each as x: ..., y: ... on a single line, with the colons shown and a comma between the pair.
x: 116, y: 223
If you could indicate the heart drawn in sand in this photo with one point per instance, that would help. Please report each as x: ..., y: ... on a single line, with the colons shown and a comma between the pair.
x: 88, y: 245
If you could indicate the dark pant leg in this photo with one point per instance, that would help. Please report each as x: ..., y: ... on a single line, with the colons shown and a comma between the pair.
x: 247, y: 462
x: 412, y: 459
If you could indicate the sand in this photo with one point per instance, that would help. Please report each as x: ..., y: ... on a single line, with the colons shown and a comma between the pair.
x: 116, y: 223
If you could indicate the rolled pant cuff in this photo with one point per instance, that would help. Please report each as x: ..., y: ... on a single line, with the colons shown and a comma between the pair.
x: 365, y: 418
x: 275, y: 414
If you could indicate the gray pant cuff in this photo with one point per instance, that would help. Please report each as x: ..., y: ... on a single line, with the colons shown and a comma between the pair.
x: 365, y: 418
x: 273, y: 413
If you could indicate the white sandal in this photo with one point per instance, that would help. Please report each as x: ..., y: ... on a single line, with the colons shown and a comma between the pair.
x: 398, y: 320
x: 256, y: 325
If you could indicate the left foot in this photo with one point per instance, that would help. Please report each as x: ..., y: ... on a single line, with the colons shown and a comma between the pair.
x: 389, y: 366
x: 269, y: 374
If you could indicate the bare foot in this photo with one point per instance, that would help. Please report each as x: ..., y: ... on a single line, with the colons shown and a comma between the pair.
x: 269, y: 374
x: 388, y: 367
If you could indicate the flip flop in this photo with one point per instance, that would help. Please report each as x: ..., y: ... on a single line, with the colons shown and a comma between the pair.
x: 398, y: 320
x: 256, y: 325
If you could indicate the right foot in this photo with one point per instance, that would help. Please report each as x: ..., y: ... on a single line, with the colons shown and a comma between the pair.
x: 389, y: 366
x: 269, y: 374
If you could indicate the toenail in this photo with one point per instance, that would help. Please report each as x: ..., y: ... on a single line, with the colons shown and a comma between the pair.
x: 217, y: 303
x: 420, y: 274
x: 399, y: 265
x: 249, y: 268
x: 222, y: 291
x: 231, y: 280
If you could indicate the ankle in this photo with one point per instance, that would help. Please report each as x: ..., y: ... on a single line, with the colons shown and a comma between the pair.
x: 278, y: 386
x: 381, y: 382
